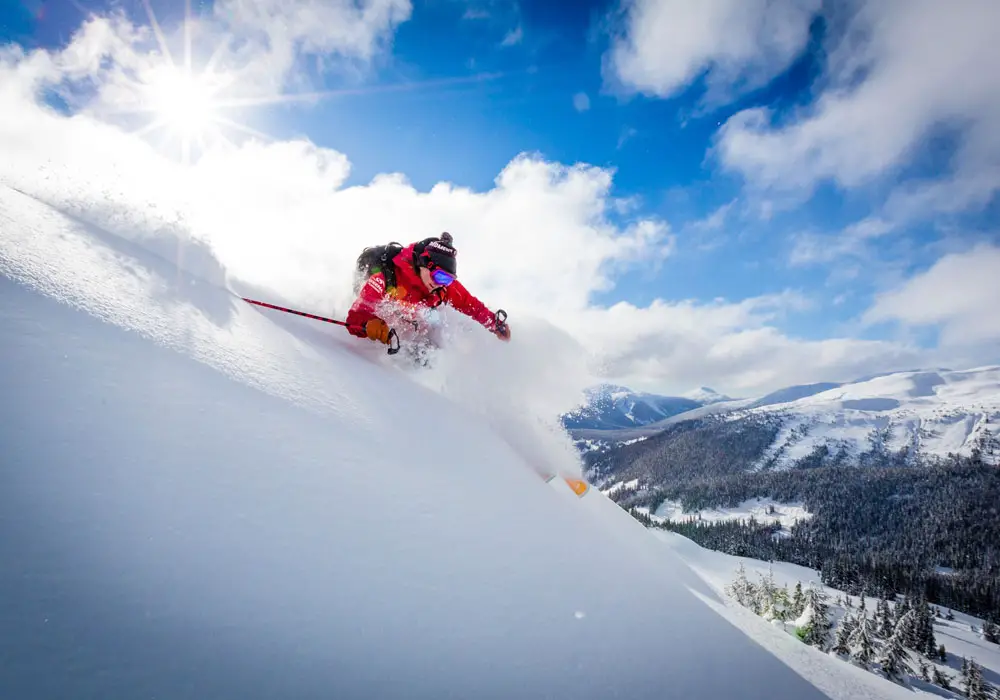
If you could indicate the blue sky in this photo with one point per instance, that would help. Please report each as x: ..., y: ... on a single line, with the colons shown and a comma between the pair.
x: 800, y: 203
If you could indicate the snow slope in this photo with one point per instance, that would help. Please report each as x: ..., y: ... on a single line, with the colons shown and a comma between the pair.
x: 933, y: 412
x: 719, y: 569
x: 202, y: 500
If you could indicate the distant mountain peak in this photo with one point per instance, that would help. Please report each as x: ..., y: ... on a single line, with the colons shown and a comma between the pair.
x: 705, y: 395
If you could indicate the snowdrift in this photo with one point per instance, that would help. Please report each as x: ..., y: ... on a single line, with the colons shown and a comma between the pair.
x: 201, y: 500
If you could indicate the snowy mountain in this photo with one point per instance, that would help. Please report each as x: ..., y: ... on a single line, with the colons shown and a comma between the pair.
x: 917, y: 412
x: 705, y: 395
x: 925, y: 412
x: 611, y: 407
x: 201, y: 499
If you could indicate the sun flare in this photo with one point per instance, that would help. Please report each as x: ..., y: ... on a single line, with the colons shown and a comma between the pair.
x: 184, y: 102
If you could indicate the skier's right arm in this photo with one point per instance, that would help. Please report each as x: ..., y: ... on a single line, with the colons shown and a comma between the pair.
x: 363, y: 309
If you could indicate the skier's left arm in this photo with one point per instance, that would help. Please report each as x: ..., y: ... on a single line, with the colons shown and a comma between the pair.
x: 464, y: 301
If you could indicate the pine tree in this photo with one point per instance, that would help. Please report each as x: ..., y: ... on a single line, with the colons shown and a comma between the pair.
x: 941, y: 679
x: 817, y: 630
x: 884, y: 621
x: 973, y: 685
x: 991, y: 632
x: 902, y: 607
x: 766, y: 596
x: 782, y: 604
x: 741, y: 590
x: 862, y: 643
x: 894, y: 657
x: 842, y: 645
x: 925, y: 671
x: 920, y: 635
x: 861, y: 606
x: 942, y: 653
x: 798, y: 602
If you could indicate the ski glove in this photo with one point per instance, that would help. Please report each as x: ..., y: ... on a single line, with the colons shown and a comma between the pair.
x: 377, y: 329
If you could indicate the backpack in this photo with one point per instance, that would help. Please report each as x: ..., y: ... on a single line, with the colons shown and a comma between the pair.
x: 376, y: 259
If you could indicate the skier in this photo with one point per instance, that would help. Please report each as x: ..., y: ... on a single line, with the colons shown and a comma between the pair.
x: 420, y: 274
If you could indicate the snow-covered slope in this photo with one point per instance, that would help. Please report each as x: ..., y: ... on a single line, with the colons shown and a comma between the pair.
x: 202, y: 500
x: 931, y: 412
x: 719, y: 569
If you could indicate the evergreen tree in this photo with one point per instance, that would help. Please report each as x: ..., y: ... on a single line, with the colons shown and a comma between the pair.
x: 884, y: 621
x: 942, y: 653
x: 741, y: 590
x: 902, y: 607
x: 894, y: 660
x: 782, y: 607
x: 817, y: 630
x: 925, y: 671
x: 862, y: 643
x: 798, y: 601
x: 842, y: 645
x: 766, y: 596
x: 973, y: 685
x: 941, y: 679
x: 861, y: 606
x: 991, y: 632
x: 920, y: 636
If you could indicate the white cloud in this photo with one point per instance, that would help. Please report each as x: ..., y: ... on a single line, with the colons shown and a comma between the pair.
x: 581, y: 102
x: 901, y: 73
x: 545, y: 240
x: 853, y: 241
x: 514, y: 37
x: 737, y: 44
x: 959, y: 294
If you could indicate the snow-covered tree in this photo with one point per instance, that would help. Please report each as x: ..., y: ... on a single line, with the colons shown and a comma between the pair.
x: 741, y: 590
x: 941, y: 679
x: 925, y: 670
x: 991, y: 632
x: 842, y: 645
x: 798, y: 600
x: 973, y: 685
x: 862, y: 642
x: 902, y: 607
x: 884, y: 621
x: 766, y: 594
x: 894, y: 659
x: 813, y: 625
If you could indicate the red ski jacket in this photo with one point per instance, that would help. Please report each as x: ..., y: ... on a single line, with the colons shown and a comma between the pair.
x: 410, y: 290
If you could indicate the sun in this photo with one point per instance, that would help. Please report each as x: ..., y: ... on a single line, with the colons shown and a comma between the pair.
x: 185, y: 103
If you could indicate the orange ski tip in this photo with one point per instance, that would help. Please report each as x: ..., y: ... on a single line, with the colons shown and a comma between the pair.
x: 579, y: 486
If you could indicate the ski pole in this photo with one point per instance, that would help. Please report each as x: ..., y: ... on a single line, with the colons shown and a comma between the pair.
x: 393, y: 348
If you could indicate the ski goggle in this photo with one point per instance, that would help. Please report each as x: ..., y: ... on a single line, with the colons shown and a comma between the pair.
x: 441, y: 277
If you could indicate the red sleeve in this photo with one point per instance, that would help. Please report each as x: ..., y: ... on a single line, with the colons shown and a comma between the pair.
x: 461, y: 299
x: 363, y: 309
